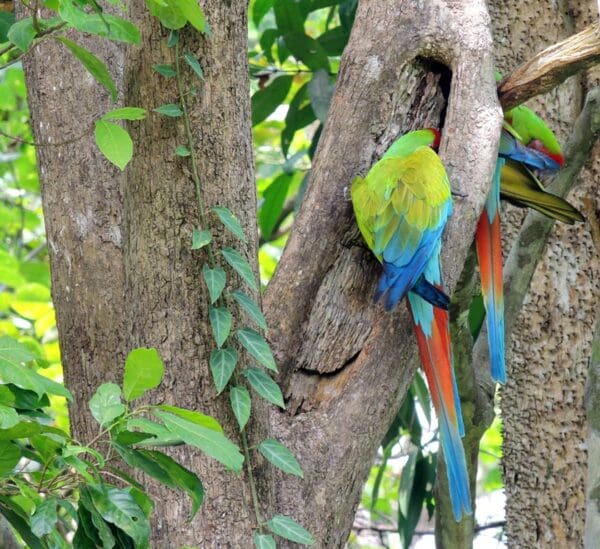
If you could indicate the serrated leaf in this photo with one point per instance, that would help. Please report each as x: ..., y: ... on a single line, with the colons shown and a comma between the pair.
x: 200, y: 238
x: 241, y: 403
x: 45, y: 517
x: 170, y: 109
x: 222, y: 364
x: 22, y: 33
x: 257, y: 346
x: 264, y: 541
x: 144, y: 370
x: 288, y: 528
x: 280, y: 456
x: 262, y: 383
x: 240, y: 265
x: 125, y: 113
x: 230, y: 221
x: 194, y: 65
x: 211, y: 442
x: 94, y: 65
x: 106, y: 404
x: 182, y: 151
x: 220, y: 322
x: 253, y: 310
x: 114, y: 142
x: 168, y: 71
x: 215, y: 281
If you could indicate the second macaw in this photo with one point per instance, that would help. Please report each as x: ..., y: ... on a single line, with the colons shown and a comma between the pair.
x: 401, y: 208
x: 527, y: 143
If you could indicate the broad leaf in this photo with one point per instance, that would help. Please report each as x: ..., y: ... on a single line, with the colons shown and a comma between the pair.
x: 126, y: 113
x: 8, y: 417
x: 215, y: 281
x: 289, y: 529
x: 308, y: 50
x: 182, y: 150
x: 320, y: 90
x: 106, y: 404
x: 144, y: 370
x: 211, y: 442
x: 19, y: 520
x: 262, y: 383
x: 22, y: 33
x: 230, y: 221
x: 222, y: 365
x: 258, y: 348
x: 195, y: 417
x: 274, y: 198
x: 264, y: 541
x: 114, y: 142
x: 171, y: 109
x: 43, y: 521
x: 94, y: 66
x: 280, y: 456
x: 200, y: 238
x: 239, y: 397
x: 194, y: 14
x: 220, y: 322
x: 10, y: 454
x: 265, y: 101
x: 241, y: 266
x: 253, y: 310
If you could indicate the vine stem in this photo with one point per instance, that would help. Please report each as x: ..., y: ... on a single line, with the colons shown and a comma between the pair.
x: 211, y: 259
x: 190, y: 140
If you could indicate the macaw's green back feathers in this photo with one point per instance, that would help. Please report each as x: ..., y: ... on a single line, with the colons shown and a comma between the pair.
x: 401, y: 207
x: 522, y: 188
x: 534, y: 132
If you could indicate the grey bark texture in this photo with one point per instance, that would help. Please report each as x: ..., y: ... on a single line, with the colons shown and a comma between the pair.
x: 545, y: 459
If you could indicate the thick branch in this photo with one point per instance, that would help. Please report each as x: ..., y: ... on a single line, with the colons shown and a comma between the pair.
x: 551, y: 66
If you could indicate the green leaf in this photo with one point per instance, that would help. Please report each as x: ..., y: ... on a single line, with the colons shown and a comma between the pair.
x: 253, y: 310
x: 230, y: 221
x: 264, y: 541
x: 181, y: 477
x: 144, y: 370
x: 94, y: 525
x: 18, y: 519
x: 7, y: 20
x: 194, y: 14
x: 200, y: 238
x: 220, y: 322
x: 215, y: 281
x: 173, y: 39
x: 240, y: 265
x: 114, y: 142
x: 280, y: 456
x: 168, y: 13
x: 32, y: 301
x: 10, y: 454
x: 44, y: 520
x: 94, y: 66
x: 222, y: 364
x: 182, y: 151
x: 265, y: 101
x: 288, y: 16
x: 211, y: 442
x: 320, y: 90
x: 259, y: 10
x: 262, y: 383
x: 12, y: 355
x: 126, y: 113
x: 22, y: 33
x: 274, y: 198
x: 195, y: 417
x: 105, y: 404
x: 194, y: 65
x: 334, y: 40
x: 307, y: 50
x: 118, y: 507
x: 8, y: 417
x: 170, y: 109
x: 239, y: 397
x: 257, y: 346
x: 289, y: 529
x: 168, y: 71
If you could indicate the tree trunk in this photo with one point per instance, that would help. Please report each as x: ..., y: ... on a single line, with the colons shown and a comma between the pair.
x: 124, y: 276
x: 545, y: 459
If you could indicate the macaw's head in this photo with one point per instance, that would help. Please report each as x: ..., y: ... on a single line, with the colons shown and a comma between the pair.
x: 411, y: 141
x: 534, y: 132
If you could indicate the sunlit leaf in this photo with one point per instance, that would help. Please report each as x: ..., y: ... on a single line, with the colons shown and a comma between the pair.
x: 143, y: 371
x: 114, y: 142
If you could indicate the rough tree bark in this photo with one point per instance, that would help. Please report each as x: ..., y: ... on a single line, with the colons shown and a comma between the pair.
x: 123, y: 274
x: 545, y: 459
